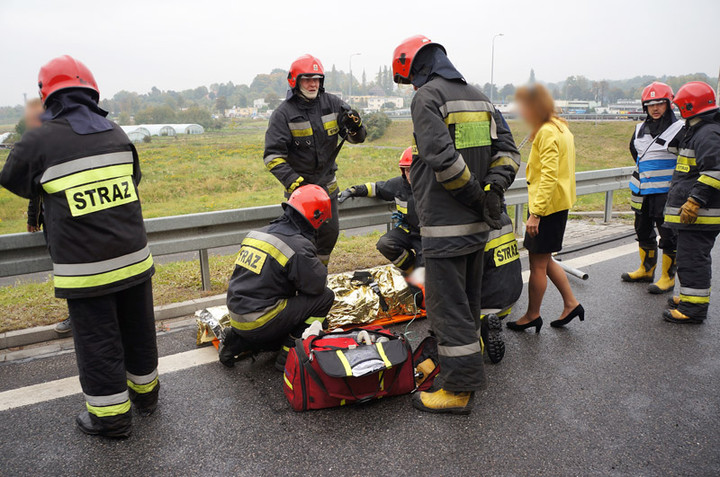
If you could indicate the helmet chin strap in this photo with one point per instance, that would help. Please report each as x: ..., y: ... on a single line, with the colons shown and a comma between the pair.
x: 307, y: 94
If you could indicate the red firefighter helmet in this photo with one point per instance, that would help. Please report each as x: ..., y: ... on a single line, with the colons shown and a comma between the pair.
x: 404, y: 55
x: 407, y: 157
x: 656, y: 92
x: 65, y: 72
x: 313, y: 203
x: 695, y: 98
x: 306, y: 65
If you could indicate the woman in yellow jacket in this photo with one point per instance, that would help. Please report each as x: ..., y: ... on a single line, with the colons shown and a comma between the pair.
x: 551, y: 189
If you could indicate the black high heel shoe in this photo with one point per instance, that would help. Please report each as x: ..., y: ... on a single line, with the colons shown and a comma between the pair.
x: 579, y: 311
x: 537, y: 323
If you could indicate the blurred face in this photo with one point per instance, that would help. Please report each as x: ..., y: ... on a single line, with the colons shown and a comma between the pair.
x: 32, y: 115
x: 311, y: 85
x: 526, y: 113
x: 406, y: 173
x: 657, y: 110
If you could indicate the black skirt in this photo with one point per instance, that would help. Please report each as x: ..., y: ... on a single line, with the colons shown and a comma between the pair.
x: 550, y: 234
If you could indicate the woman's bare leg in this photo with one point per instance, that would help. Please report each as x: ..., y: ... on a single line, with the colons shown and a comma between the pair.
x: 559, y: 278
x: 537, y: 284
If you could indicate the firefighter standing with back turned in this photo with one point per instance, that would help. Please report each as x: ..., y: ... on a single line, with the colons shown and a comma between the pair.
x: 86, y: 171
x: 693, y: 205
x: 466, y: 161
x: 301, y: 142
x: 649, y: 185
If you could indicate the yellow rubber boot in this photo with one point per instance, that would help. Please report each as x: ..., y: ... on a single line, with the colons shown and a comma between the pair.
x: 442, y: 401
x: 667, y: 278
x: 676, y: 316
x: 646, y: 271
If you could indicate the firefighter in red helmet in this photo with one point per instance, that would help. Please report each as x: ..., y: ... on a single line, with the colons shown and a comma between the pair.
x: 86, y: 171
x: 401, y: 245
x: 693, y: 205
x: 304, y: 137
x: 654, y: 166
x: 278, y: 287
x: 466, y: 161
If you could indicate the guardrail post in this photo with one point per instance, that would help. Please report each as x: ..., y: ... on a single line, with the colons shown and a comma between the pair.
x: 204, y: 269
x: 518, y: 219
x: 608, y: 206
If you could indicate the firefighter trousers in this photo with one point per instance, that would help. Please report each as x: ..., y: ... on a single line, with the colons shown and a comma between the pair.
x: 402, y: 248
x: 453, y: 290
x: 297, y: 313
x: 116, y: 348
x: 650, y: 218
x: 694, y: 270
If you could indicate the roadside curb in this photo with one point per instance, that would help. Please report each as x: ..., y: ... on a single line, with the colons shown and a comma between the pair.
x: 40, y: 334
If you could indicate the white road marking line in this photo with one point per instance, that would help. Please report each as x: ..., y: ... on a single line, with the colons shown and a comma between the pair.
x: 60, y: 388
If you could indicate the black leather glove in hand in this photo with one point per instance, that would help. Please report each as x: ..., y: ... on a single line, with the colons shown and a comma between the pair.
x: 350, y: 120
x: 493, y: 206
x: 354, y: 191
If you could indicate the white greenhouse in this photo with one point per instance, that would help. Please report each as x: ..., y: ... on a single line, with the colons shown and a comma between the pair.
x: 188, y: 129
x: 136, y: 133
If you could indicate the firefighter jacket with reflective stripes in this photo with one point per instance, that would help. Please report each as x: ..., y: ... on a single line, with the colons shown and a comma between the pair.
x: 302, y: 138
x: 502, y: 274
x: 697, y: 174
x: 397, y: 190
x: 463, y: 145
x: 92, y: 214
x: 654, y: 163
x: 274, y: 263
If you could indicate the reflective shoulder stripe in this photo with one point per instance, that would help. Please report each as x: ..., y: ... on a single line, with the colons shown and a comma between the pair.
x: 84, y: 163
x: 686, y: 152
x: 440, y: 231
x: 459, y: 351
x: 467, y: 117
x: 251, y: 321
x: 144, y: 379
x: 271, y: 244
x: 454, y: 169
x: 329, y: 117
x: 93, y: 268
x: 381, y: 352
x: 503, y: 239
x: 89, y: 281
x: 344, y: 361
x: 709, y: 180
x: 88, y: 176
x: 330, y: 123
x: 462, y: 105
x: 507, y: 228
x: 108, y: 400
x: 300, y: 129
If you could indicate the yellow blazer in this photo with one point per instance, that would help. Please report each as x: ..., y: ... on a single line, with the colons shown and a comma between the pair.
x: 551, y: 169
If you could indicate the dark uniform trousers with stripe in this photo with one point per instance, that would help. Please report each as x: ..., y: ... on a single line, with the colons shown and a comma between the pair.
x: 650, y: 217
x: 116, y: 347
x: 695, y: 271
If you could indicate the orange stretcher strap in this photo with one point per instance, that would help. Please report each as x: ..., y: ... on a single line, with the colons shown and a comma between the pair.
x: 398, y: 319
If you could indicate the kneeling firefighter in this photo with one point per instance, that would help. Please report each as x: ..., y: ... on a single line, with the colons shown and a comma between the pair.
x: 86, y: 172
x: 301, y: 142
x: 279, y: 287
x: 401, y: 245
x: 693, y: 206
x: 466, y: 161
x: 654, y: 165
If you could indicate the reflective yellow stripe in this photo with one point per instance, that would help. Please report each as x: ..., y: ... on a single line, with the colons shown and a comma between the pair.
x: 108, y: 411
x: 711, y: 181
x: 345, y: 363
x: 636, y: 205
x: 505, y: 161
x: 85, y: 177
x: 313, y: 319
x: 384, y: 357
x: 381, y: 377
x: 251, y: 325
x: 694, y: 299
x: 370, y: 188
x: 402, y: 210
x: 143, y: 388
x: 342, y: 402
x: 287, y: 381
x: 701, y: 220
x: 275, y: 162
x: 502, y: 240
x: 301, y: 132
x: 285, y: 348
x: 106, y: 278
x: 467, y: 117
x: 459, y: 182
x: 331, y: 127
x: 504, y: 312
x: 268, y: 248
x: 685, y: 163
x: 295, y: 184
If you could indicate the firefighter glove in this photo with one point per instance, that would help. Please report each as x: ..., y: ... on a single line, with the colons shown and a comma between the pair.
x: 351, y: 121
x: 354, y: 191
x: 689, y: 211
x: 493, y: 206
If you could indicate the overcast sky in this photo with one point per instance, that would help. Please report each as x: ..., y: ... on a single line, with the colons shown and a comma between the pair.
x: 180, y: 44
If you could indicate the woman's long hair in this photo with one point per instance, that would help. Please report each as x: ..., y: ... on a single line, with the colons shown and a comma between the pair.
x: 539, y: 101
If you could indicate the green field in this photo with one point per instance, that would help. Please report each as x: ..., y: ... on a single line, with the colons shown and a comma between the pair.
x: 223, y: 170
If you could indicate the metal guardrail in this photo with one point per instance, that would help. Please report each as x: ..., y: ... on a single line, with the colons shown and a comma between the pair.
x: 25, y: 253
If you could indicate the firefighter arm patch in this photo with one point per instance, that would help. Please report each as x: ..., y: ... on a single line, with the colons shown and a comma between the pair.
x: 251, y: 259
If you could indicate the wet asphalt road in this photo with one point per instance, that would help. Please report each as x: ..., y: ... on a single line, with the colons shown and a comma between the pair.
x: 622, y: 393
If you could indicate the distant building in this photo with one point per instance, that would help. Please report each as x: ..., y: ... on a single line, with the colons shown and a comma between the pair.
x: 375, y: 103
x: 236, y: 112
x: 626, y: 106
x: 576, y: 106
x: 259, y: 103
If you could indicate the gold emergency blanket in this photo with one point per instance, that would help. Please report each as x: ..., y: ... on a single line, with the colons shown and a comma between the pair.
x: 354, y: 303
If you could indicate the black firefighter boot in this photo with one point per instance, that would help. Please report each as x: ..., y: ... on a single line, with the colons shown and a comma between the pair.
x: 119, y: 426
x: 146, y: 402
x: 233, y: 348
x: 490, y: 332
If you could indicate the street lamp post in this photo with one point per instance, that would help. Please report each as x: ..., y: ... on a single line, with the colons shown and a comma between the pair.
x: 492, y: 67
x: 351, y: 77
